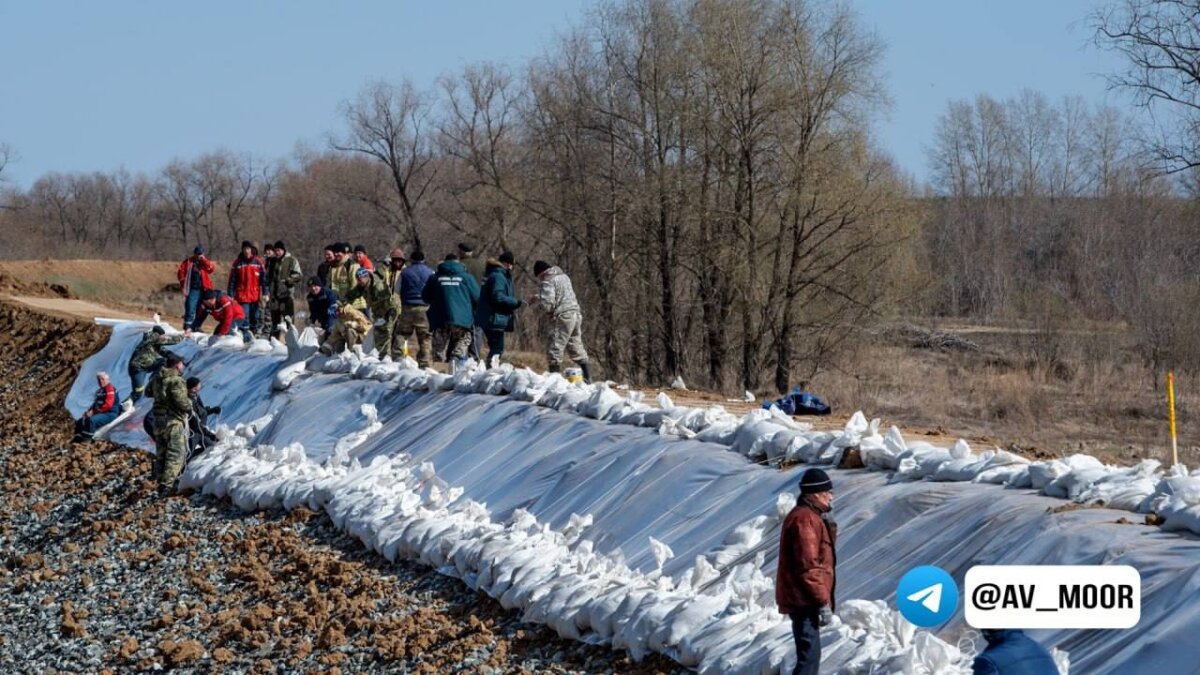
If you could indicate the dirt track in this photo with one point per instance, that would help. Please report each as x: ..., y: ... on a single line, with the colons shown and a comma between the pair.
x: 97, y: 574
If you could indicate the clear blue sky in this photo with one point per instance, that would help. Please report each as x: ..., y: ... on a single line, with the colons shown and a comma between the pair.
x: 97, y: 85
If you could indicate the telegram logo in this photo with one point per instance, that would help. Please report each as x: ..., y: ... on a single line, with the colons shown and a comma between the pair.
x: 927, y: 596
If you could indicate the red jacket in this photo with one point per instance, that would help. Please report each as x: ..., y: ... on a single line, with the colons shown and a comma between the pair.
x: 225, y: 313
x: 247, y: 279
x: 206, y: 268
x: 106, y: 399
x: 805, y: 579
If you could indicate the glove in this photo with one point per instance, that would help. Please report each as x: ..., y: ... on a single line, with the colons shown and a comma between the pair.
x: 825, y: 616
x: 214, y: 410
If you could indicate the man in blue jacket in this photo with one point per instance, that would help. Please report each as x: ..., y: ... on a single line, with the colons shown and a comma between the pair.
x: 322, y: 305
x: 414, y: 311
x: 452, y: 295
x: 497, y: 304
x: 1012, y: 652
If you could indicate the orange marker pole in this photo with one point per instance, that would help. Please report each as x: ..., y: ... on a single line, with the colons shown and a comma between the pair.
x: 1171, y: 417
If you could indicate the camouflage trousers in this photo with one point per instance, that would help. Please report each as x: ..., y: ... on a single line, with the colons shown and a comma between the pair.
x: 566, y: 335
x: 343, y: 336
x: 170, y: 441
x: 415, y: 319
x: 388, y: 341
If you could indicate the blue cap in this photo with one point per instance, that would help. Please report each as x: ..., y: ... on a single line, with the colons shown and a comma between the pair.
x: 199, y: 250
x: 363, y: 272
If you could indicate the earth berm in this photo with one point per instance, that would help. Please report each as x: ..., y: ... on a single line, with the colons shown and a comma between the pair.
x: 98, y: 574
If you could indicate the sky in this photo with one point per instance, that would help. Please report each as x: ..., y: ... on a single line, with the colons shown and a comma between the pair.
x: 88, y: 86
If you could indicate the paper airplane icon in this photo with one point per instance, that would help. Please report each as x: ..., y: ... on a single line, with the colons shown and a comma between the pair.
x: 930, y: 597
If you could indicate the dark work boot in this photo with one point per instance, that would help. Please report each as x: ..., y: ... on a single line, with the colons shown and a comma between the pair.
x: 587, y: 372
x: 554, y: 368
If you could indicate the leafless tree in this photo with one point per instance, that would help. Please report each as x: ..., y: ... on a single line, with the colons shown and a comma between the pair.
x: 1160, y: 40
x: 390, y: 123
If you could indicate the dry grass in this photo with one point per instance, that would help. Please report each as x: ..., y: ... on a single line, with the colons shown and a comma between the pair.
x: 130, y: 285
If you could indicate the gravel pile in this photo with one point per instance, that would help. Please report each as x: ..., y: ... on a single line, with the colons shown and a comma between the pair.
x: 97, y: 574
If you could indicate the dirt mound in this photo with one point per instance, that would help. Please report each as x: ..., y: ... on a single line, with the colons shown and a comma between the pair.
x: 98, y: 574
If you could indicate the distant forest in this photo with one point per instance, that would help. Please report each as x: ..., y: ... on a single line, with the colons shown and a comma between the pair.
x: 708, y: 173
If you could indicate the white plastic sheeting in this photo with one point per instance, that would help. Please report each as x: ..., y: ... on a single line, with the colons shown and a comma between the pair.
x: 646, y: 540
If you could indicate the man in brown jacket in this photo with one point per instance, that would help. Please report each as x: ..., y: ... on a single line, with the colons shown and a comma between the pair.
x: 806, y: 577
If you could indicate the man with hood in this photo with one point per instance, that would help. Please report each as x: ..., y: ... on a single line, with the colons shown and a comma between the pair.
x: 806, y: 577
x: 195, y: 277
x: 452, y: 295
x: 282, y: 280
x: 414, y: 311
x: 496, y: 314
x: 372, y: 289
x: 556, y: 297
x: 248, y: 283
x: 148, y: 357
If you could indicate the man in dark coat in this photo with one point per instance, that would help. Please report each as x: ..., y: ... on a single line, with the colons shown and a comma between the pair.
x: 452, y: 294
x: 414, y: 313
x: 1012, y: 652
x: 322, y: 305
x: 200, y: 437
x: 495, y: 315
x: 806, y: 576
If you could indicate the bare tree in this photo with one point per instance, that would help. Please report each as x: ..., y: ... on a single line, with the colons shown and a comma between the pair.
x: 1160, y: 40
x: 388, y: 123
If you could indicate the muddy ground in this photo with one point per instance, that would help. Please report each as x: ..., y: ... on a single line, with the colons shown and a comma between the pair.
x: 98, y: 574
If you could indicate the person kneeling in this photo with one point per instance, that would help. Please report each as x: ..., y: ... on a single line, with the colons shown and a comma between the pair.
x: 351, y: 327
x: 102, y: 412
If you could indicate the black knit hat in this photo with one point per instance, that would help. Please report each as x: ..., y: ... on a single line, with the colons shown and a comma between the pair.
x: 540, y: 266
x: 192, y: 382
x: 314, y: 281
x: 465, y: 247
x: 280, y: 244
x: 160, y: 330
x: 814, y: 481
x: 359, y: 248
x: 508, y: 258
x: 247, y: 244
x: 418, y: 256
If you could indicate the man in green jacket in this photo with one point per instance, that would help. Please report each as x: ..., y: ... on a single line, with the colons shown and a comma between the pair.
x: 498, y: 304
x: 283, y: 276
x: 171, y: 409
x: 148, y: 357
x: 372, y: 289
x: 452, y: 294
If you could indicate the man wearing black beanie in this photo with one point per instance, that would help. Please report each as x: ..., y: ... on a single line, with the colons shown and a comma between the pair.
x: 806, y: 575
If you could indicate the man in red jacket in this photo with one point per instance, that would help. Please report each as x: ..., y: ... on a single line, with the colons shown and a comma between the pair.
x: 102, y: 412
x: 806, y: 577
x: 194, y: 279
x: 227, y: 313
x: 248, y: 283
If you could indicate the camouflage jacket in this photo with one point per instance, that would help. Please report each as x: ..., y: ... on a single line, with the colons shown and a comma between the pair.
x: 169, y: 392
x: 377, y: 296
x: 150, y: 350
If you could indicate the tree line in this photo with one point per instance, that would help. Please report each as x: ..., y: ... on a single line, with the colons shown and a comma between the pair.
x: 707, y: 172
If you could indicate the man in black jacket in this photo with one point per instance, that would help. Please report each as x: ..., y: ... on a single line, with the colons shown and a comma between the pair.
x: 200, y: 437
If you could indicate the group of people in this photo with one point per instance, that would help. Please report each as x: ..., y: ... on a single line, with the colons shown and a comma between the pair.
x: 450, y: 312
x: 178, y: 421
x: 806, y: 581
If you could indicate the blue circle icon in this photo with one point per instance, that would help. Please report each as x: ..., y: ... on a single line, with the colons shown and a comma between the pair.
x: 927, y: 596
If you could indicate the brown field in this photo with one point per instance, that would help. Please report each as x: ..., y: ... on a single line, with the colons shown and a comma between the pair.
x: 1097, y: 397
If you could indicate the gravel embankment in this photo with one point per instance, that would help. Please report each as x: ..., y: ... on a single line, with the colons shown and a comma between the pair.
x: 98, y: 574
